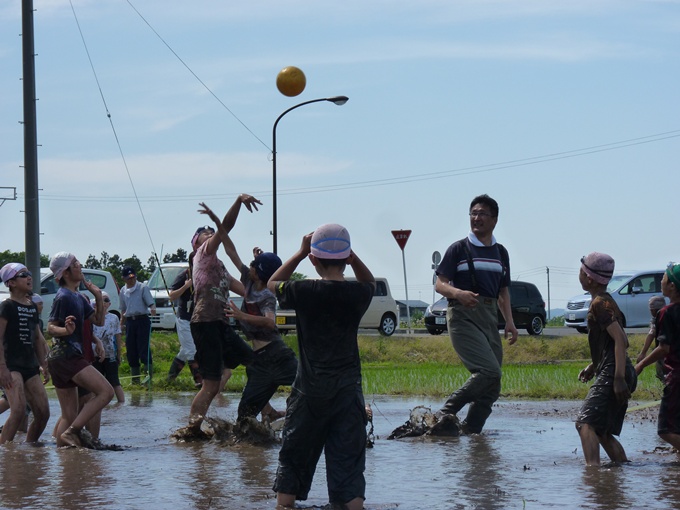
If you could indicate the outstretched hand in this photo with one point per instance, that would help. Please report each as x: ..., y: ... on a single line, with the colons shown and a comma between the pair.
x: 249, y: 201
x: 209, y: 212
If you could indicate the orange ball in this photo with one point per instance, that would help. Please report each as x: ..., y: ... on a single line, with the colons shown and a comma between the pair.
x: 291, y: 81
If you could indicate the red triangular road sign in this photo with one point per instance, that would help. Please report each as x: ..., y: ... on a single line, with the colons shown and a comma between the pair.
x: 401, y: 236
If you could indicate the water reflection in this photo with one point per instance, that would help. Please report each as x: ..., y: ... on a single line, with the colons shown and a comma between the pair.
x: 526, y: 457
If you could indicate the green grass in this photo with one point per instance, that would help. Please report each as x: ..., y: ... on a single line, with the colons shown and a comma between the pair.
x: 534, y: 368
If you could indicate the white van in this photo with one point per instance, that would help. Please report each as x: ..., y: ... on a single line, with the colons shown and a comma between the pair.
x: 49, y: 287
x: 382, y: 313
x: 159, y: 284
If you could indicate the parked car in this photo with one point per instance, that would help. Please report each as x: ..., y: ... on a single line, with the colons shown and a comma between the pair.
x: 49, y: 287
x: 382, y: 313
x: 528, y: 310
x: 159, y: 284
x: 630, y: 290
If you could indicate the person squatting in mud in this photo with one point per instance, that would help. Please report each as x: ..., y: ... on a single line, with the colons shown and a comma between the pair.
x: 23, y: 356
x: 668, y: 350
x: 68, y: 367
x: 604, y: 409
x: 274, y: 363
x: 474, y: 275
x: 326, y: 409
x: 218, y: 346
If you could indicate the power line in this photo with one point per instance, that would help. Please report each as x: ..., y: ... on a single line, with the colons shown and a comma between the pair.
x: 404, y: 179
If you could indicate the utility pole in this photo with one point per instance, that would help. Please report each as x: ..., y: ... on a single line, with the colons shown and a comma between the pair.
x: 547, y: 272
x: 31, y: 202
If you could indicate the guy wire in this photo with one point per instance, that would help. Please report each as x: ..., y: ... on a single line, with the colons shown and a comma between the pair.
x: 113, y: 128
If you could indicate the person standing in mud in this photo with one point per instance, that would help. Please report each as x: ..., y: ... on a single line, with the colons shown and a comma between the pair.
x: 182, y: 294
x: 23, y: 356
x: 604, y: 409
x: 475, y: 275
x: 274, y: 363
x: 668, y: 350
x: 326, y: 408
x: 68, y: 367
x: 218, y: 346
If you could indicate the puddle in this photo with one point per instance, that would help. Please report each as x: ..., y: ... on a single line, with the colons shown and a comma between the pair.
x: 529, y: 457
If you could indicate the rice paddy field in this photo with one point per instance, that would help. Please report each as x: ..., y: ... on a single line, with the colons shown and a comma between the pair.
x: 542, y: 367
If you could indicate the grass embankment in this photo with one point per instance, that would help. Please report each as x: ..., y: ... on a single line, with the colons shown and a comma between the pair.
x: 534, y: 368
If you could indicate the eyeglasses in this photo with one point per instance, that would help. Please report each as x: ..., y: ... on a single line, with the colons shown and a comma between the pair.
x: 107, y: 300
x: 206, y: 227
x: 479, y: 214
x: 23, y: 274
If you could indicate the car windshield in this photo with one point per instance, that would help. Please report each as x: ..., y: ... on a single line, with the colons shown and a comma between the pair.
x: 616, y: 282
x: 169, y: 273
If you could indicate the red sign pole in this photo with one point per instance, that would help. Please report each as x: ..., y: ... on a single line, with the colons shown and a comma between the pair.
x: 401, y: 236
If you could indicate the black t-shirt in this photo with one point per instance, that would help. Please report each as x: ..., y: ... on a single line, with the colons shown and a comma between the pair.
x: 491, y: 263
x: 328, y: 315
x: 669, y: 334
x: 183, y: 304
x: 20, y: 334
x: 602, y: 313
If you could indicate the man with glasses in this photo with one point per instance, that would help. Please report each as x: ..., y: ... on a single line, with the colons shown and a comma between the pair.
x: 475, y: 276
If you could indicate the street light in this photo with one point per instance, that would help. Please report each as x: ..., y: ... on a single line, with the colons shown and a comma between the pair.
x: 338, y: 100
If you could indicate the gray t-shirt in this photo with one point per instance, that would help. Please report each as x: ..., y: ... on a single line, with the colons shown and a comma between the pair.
x: 257, y: 302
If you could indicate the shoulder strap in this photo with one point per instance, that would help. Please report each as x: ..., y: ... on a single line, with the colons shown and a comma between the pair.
x: 471, y: 266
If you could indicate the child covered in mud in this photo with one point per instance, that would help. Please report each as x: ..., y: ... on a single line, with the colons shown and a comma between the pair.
x: 326, y: 410
x: 656, y: 303
x: 218, y: 346
x: 604, y: 409
x: 23, y: 355
x: 668, y: 350
x: 68, y: 366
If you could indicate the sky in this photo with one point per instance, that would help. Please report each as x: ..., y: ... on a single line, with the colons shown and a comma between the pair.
x: 566, y: 112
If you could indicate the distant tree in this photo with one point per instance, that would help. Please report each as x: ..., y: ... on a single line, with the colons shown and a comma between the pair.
x: 20, y: 256
x: 92, y: 262
x: 151, y: 264
x: 179, y: 256
x: 297, y: 276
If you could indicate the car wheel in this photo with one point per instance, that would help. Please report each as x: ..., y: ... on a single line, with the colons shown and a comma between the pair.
x: 582, y: 330
x: 435, y: 331
x: 388, y: 324
x: 536, y: 326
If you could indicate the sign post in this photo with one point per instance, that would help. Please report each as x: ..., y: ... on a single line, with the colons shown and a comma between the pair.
x: 436, y: 259
x: 401, y: 236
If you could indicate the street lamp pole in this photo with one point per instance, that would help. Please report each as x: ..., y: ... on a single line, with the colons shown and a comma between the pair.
x: 338, y: 100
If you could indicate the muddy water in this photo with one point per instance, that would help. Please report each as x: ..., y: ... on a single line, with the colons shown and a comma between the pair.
x: 530, y: 457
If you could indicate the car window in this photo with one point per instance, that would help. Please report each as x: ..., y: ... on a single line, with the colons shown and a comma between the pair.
x: 97, y: 279
x: 518, y: 293
x: 380, y: 289
x: 170, y: 275
x: 49, y: 286
x: 642, y: 284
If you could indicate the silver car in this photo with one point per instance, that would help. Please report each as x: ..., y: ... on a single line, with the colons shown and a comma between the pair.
x: 631, y: 291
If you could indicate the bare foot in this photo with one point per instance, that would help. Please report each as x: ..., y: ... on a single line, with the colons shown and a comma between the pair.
x: 71, y: 437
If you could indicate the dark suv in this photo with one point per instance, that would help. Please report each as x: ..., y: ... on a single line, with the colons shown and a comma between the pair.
x: 528, y: 310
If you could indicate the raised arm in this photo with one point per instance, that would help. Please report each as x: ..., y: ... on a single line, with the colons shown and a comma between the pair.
x: 232, y: 214
x: 289, y: 266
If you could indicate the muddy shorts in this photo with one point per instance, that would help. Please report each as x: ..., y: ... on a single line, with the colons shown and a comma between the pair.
x: 600, y: 409
x: 218, y: 346
x: 273, y: 365
x: 62, y: 370
x: 669, y: 412
x: 336, y: 425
